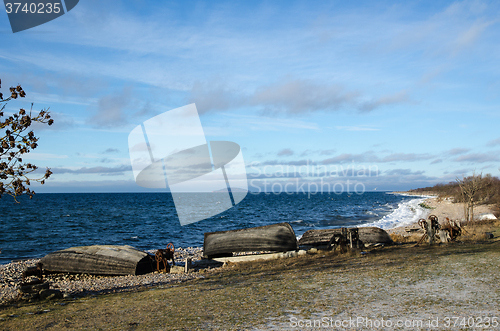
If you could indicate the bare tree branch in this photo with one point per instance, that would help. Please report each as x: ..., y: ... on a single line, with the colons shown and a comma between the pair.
x: 16, y: 141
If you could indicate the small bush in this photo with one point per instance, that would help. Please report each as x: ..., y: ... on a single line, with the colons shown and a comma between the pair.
x: 423, y: 205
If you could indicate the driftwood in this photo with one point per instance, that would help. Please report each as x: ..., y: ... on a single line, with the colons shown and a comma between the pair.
x: 453, y: 228
x: 275, y: 237
x: 99, y: 260
x: 368, y: 235
x: 431, y: 229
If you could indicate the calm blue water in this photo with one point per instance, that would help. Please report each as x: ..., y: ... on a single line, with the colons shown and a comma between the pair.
x: 49, y: 222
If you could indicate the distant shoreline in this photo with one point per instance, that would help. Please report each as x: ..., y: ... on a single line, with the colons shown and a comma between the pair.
x: 423, y: 194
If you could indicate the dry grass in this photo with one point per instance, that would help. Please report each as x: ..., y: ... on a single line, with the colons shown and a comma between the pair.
x: 474, y: 231
x: 410, y: 238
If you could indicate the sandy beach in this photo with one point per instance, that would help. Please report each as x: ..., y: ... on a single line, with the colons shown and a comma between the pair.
x: 443, y: 208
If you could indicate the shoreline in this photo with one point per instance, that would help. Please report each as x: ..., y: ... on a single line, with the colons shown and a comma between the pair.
x: 314, y: 214
x: 422, y: 194
x: 83, y: 285
x: 441, y: 207
x: 401, y: 282
x: 406, y: 213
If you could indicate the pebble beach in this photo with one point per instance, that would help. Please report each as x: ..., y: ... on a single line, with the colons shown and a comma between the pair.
x: 77, y: 285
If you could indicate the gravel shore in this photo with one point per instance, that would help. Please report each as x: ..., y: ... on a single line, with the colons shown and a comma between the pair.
x: 74, y: 285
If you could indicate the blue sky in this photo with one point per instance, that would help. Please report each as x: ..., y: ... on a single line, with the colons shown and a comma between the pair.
x: 407, y: 90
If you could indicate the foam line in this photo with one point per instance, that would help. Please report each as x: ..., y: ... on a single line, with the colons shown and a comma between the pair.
x: 408, y: 212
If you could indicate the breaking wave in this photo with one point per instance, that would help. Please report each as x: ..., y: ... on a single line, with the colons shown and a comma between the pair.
x: 406, y: 213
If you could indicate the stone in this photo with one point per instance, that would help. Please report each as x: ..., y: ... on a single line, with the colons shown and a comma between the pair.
x: 313, y: 251
x: 50, y: 294
x: 486, y: 216
x: 176, y: 269
x: 301, y: 252
x: 30, y: 297
x: 34, y: 288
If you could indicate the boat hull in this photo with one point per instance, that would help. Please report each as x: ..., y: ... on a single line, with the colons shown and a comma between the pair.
x: 99, y: 260
x: 368, y: 235
x: 275, y: 238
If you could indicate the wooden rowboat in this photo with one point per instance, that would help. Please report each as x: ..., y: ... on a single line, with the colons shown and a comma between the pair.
x: 368, y: 235
x: 374, y: 235
x: 275, y: 238
x: 99, y: 260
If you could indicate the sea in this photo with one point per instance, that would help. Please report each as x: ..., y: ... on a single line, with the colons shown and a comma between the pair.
x: 35, y: 227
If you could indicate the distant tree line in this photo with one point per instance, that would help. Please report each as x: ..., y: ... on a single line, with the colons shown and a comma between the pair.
x: 472, y: 190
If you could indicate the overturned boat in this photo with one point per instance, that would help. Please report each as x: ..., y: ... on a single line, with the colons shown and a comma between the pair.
x: 367, y: 235
x: 270, y: 238
x: 99, y: 260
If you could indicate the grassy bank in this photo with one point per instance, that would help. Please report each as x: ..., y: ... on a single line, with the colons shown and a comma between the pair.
x: 393, y: 282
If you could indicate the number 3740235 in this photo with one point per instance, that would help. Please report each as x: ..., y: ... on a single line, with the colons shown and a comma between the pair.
x: 472, y: 322
x: 33, y: 8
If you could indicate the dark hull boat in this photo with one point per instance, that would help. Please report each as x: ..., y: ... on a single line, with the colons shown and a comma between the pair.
x: 368, y: 235
x: 99, y: 260
x: 275, y: 238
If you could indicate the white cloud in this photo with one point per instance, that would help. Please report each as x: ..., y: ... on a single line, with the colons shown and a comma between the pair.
x: 120, y: 169
x: 42, y: 156
x: 468, y: 37
x: 291, y: 97
x: 112, y: 109
x: 494, y: 142
x: 285, y: 152
x: 264, y: 123
x: 356, y: 128
x: 457, y: 151
x: 479, y: 157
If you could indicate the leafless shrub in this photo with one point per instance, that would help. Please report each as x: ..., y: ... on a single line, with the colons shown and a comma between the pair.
x: 15, y: 141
